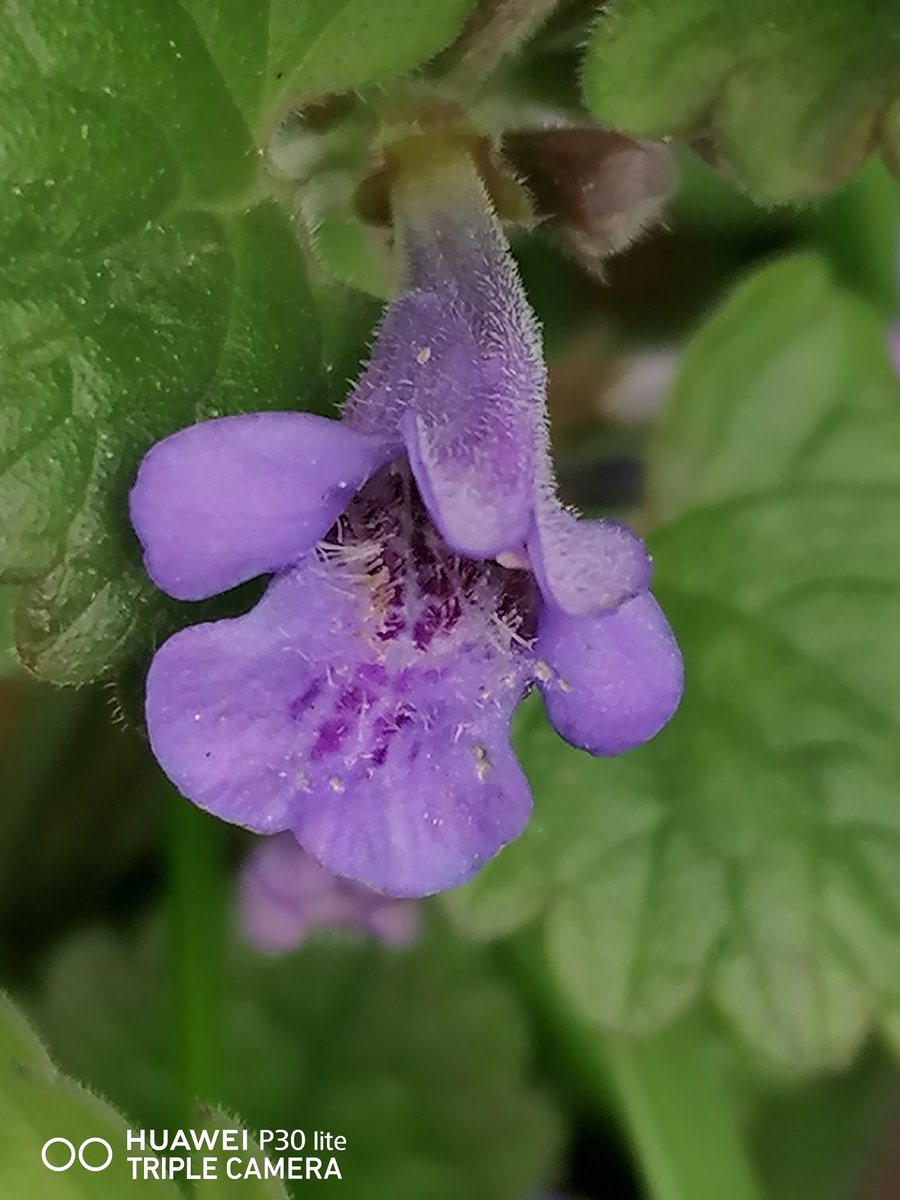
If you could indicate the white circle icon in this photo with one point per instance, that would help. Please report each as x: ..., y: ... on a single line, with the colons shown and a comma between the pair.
x: 99, y: 1142
x: 79, y: 1154
x: 52, y: 1142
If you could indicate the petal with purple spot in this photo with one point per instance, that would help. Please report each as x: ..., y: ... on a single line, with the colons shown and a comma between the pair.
x: 222, y: 701
x: 225, y: 500
x: 449, y: 795
x: 609, y: 682
x: 379, y: 737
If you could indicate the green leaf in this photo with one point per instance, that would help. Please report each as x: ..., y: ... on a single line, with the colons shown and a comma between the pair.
x: 38, y: 1103
x: 418, y: 1058
x: 630, y: 901
x: 328, y: 45
x: 274, y: 55
x: 890, y: 1028
x: 8, y: 658
x: 816, y: 1140
x: 150, y: 281
x: 259, y: 342
x: 793, y: 94
x: 191, y: 317
x: 752, y: 850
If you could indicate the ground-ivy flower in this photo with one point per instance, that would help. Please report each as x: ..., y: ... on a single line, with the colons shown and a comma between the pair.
x: 425, y: 577
x: 284, y: 896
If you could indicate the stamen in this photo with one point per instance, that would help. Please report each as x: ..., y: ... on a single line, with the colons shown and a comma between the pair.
x: 421, y: 608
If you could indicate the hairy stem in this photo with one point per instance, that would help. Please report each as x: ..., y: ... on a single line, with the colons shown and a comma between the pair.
x: 494, y: 30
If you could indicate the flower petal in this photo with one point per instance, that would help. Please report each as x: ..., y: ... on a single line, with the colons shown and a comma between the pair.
x: 478, y: 422
x: 225, y: 500
x: 391, y: 764
x: 219, y: 711
x: 467, y: 415
x: 610, y: 682
x: 436, y: 811
x: 585, y: 567
x: 476, y: 427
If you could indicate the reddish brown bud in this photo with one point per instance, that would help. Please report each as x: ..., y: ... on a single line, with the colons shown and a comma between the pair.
x: 597, y: 190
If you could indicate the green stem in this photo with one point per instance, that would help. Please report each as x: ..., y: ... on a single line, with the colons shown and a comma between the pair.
x: 196, y: 947
x: 679, y: 1118
x: 675, y: 1111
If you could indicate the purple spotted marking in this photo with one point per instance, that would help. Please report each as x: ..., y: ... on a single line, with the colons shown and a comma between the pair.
x: 300, y: 704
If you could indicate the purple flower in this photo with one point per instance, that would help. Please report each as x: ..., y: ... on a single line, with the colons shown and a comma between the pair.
x: 285, y: 895
x: 425, y: 577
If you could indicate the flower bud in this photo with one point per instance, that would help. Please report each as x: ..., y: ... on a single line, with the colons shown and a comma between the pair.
x: 596, y: 190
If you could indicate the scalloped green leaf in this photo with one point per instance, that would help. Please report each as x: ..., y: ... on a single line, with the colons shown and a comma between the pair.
x: 751, y: 852
x: 792, y: 94
x: 150, y: 280
x: 273, y: 55
x: 328, y: 45
x: 419, y: 1058
x: 257, y: 337
x: 38, y: 1103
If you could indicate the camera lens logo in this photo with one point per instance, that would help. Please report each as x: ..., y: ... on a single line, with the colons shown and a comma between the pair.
x: 63, y: 1158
